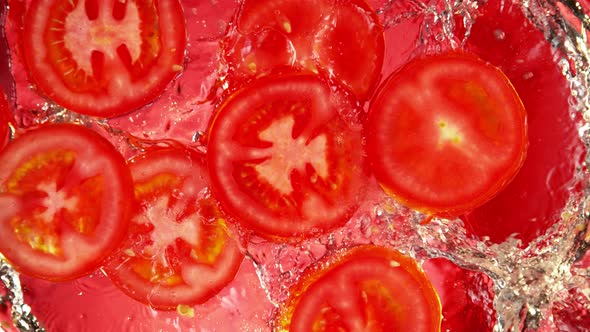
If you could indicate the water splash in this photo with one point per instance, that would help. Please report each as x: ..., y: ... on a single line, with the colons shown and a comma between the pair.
x: 532, y: 282
x: 21, y: 314
x: 534, y: 285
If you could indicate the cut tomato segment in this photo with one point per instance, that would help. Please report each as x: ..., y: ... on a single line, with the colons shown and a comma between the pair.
x: 446, y: 133
x: 344, y: 39
x: 366, y: 288
x: 177, y: 250
x: 283, y: 161
x: 103, y: 57
x: 66, y: 196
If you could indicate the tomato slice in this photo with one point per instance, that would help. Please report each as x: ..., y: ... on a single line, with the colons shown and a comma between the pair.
x: 103, y: 57
x: 341, y: 38
x: 283, y: 161
x: 177, y: 249
x: 66, y: 196
x: 366, y: 288
x: 446, y: 133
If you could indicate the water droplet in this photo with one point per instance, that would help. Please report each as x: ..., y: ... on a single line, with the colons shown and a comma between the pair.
x: 499, y: 34
x: 528, y: 75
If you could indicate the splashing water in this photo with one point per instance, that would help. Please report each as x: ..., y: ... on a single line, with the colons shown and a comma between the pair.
x: 538, y: 280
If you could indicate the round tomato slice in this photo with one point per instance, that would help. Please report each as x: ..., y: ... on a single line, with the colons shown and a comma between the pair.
x: 177, y: 250
x: 104, y: 57
x: 446, y: 133
x: 65, y: 196
x: 341, y: 38
x: 283, y: 161
x: 366, y: 288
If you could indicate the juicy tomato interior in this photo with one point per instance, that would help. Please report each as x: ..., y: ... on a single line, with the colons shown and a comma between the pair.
x: 102, y: 57
x: 177, y: 251
x: 367, y: 288
x: 65, y: 193
x: 446, y: 133
x: 341, y: 38
x: 283, y: 161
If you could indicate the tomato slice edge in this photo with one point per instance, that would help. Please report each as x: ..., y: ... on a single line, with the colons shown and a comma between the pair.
x: 478, y: 195
x: 116, y: 199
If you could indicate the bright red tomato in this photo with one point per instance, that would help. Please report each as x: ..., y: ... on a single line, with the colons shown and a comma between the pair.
x: 65, y: 197
x: 177, y: 249
x: 283, y: 161
x: 367, y: 289
x: 446, y: 133
x: 341, y: 38
x: 100, y: 57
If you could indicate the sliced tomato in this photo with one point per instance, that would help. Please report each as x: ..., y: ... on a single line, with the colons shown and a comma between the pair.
x: 103, y: 57
x: 446, y: 133
x: 367, y: 288
x: 177, y: 250
x: 65, y: 197
x: 283, y: 161
x: 341, y: 38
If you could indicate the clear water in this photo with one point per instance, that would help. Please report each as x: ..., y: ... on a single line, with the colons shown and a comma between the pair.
x: 488, y: 279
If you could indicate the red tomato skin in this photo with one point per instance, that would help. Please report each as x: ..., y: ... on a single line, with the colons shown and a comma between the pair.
x: 187, y: 167
x: 450, y: 208
x: 321, y: 285
x: 97, y: 94
x: 115, y: 204
x: 289, y: 223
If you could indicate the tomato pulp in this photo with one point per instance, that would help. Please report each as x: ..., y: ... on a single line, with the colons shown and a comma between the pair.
x: 66, y: 197
x: 177, y: 250
x: 283, y: 161
x: 100, y: 57
x: 446, y: 133
x: 366, y: 288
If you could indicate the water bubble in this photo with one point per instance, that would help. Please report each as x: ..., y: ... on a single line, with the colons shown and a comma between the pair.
x: 499, y: 34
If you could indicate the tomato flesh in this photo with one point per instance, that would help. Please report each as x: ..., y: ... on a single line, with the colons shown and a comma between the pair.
x: 66, y: 196
x: 283, y: 162
x: 366, y: 288
x: 177, y: 251
x: 103, y: 58
x: 343, y: 39
x: 446, y: 133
